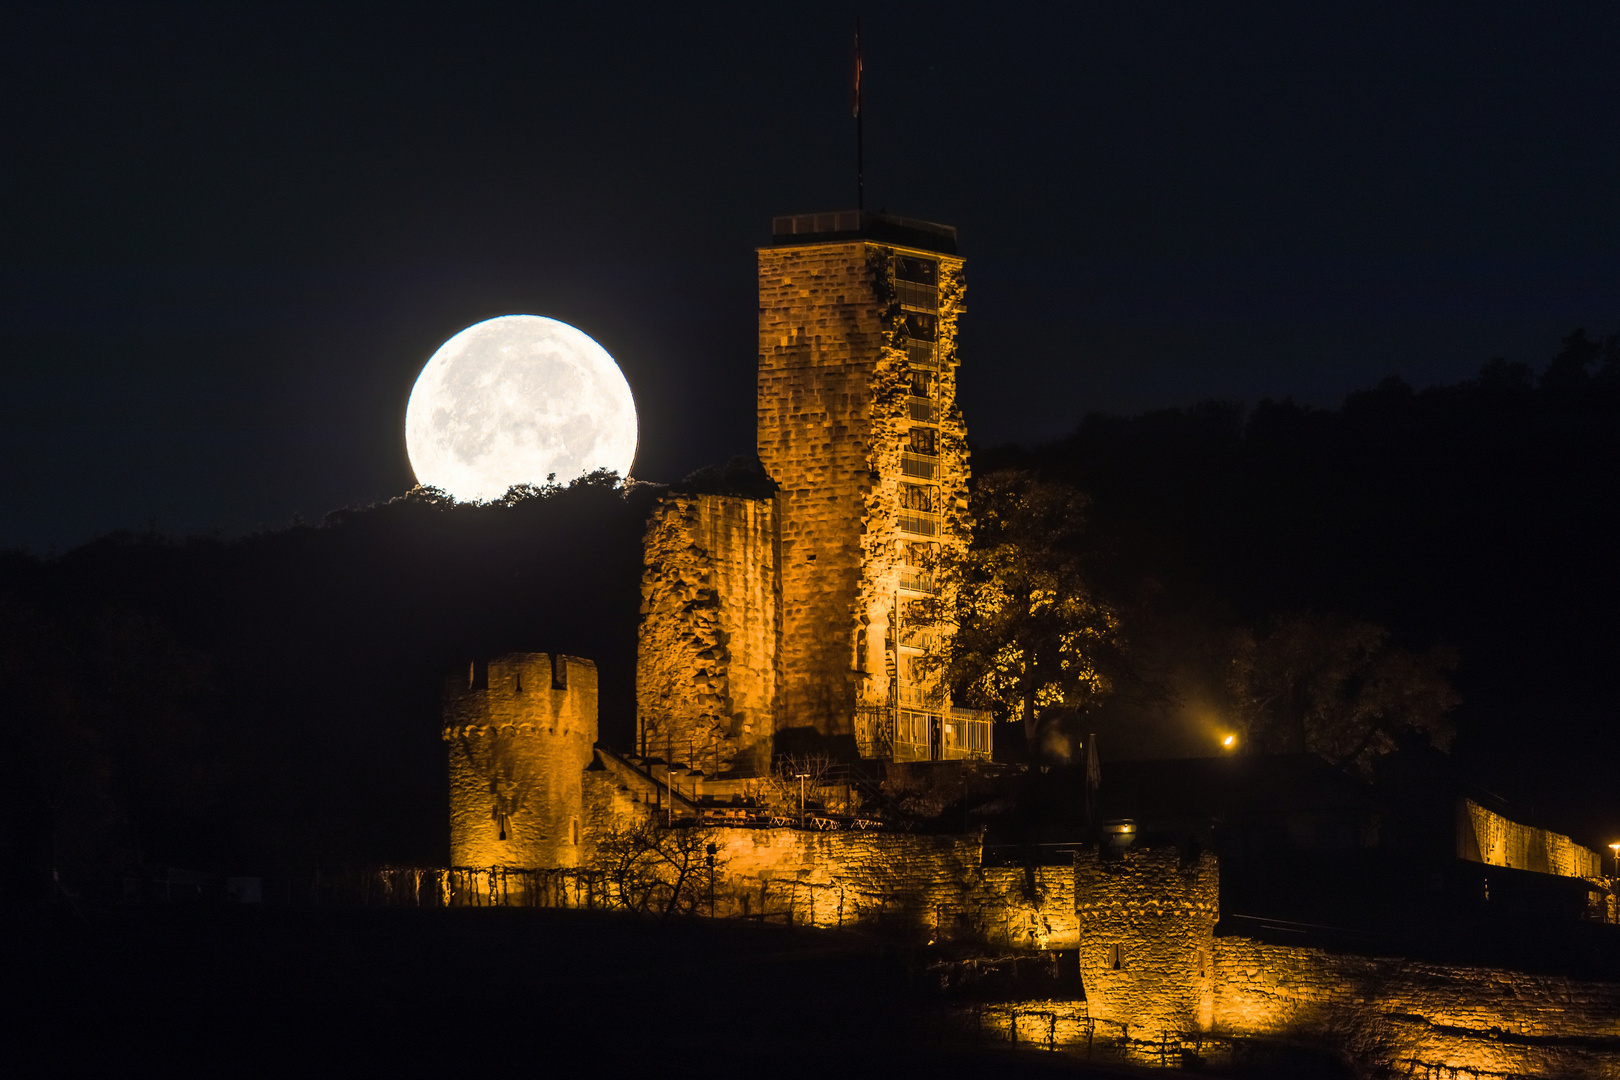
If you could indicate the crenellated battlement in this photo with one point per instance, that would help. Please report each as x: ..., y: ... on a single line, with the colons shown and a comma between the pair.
x: 524, y: 690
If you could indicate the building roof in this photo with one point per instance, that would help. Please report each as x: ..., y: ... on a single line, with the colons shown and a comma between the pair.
x: 790, y: 229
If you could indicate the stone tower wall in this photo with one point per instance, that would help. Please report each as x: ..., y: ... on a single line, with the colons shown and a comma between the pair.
x: 834, y: 415
x: 820, y: 337
x: 1147, y: 938
x: 706, y: 655
x: 519, y: 731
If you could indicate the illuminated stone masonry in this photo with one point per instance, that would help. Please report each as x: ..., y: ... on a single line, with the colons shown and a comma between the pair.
x: 858, y: 424
x: 1159, y: 984
x: 1489, y: 838
x: 520, y: 731
x: 769, y: 618
x: 860, y: 432
x: 532, y: 805
x: 706, y: 653
x: 1147, y: 925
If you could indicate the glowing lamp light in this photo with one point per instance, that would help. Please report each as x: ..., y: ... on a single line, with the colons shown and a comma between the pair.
x: 1615, y: 847
x: 1231, y: 741
x: 1119, y: 833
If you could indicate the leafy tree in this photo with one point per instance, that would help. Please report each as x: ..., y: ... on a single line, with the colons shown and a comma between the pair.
x: 1031, y: 635
x: 1334, y: 686
x: 1567, y: 372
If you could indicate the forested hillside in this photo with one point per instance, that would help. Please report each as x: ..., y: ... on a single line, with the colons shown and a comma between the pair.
x: 1483, y: 515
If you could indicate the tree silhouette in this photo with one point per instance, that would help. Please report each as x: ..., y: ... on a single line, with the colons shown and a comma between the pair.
x: 1333, y: 686
x: 1030, y: 635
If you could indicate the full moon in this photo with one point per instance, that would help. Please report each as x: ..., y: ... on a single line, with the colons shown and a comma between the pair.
x: 514, y: 400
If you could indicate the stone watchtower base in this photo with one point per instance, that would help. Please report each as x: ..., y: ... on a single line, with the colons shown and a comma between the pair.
x: 520, y: 731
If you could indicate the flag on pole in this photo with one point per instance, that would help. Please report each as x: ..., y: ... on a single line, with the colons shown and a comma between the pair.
x: 855, y: 97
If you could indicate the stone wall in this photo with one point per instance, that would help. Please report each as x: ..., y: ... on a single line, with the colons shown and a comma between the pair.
x: 928, y: 887
x: 1405, y: 1016
x: 834, y: 420
x: 820, y: 334
x: 1490, y: 838
x: 519, y: 731
x: 1178, y: 989
x: 1146, y: 919
x: 706, y: 654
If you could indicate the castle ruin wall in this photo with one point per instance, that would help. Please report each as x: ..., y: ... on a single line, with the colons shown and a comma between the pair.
x: 519, y: 732
x: 836, y: 418
x: 820, y: 332
x: 1484, y: 836
x: 707, y: 647
x: 1147, y: 922
x: 1407, y: 1016
x: 931, y: 887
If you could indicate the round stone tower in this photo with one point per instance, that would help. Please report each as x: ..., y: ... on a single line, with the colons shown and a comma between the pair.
x: 1147, y: 934
x: 520, y: 732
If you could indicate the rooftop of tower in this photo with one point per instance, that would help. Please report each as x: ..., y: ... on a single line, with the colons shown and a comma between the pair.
x: 862, y: 225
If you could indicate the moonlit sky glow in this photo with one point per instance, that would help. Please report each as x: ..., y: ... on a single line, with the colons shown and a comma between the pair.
x: 514, y: 400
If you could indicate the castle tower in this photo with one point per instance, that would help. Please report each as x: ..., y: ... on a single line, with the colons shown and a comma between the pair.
x: 1147, y: 937
x: 858, y: 425
x: 520, y: 732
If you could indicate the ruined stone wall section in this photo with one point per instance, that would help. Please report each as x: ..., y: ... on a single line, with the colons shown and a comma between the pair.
x: 519, y: 732
x: 820, y: 335
x: 1146, y: 920
x: 929, y: 887
x: 1401, y: 1015
x: 1490, y: 838
x: 706, y: 654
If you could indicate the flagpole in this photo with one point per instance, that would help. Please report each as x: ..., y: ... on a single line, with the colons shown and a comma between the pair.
x: 860, y: 140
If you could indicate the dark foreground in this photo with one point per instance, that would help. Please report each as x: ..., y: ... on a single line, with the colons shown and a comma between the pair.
x: 223, y: 990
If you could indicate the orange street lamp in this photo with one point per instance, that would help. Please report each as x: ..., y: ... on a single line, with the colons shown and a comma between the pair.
x: 1231, y: 741
x: 1616, y: 849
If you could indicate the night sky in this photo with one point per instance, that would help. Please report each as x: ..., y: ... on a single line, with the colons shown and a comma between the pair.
x: 233, y: 236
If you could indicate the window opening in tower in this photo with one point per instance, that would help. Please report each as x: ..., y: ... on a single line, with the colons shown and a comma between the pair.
x: 920, y: 326
x: 916, y: 282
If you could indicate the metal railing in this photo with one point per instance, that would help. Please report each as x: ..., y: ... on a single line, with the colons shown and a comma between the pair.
x: 920, y: 408
x: 921, y: 466
x: 922, y: 354
x: 922, y: 637
x: 874, y: 731
x: 914, y: 294
x: 921, y: 734
x: 920, y: 696
x: 917, y: 581
x: 913, y: 735
x: 968, y: 734
x: 919, y: 523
